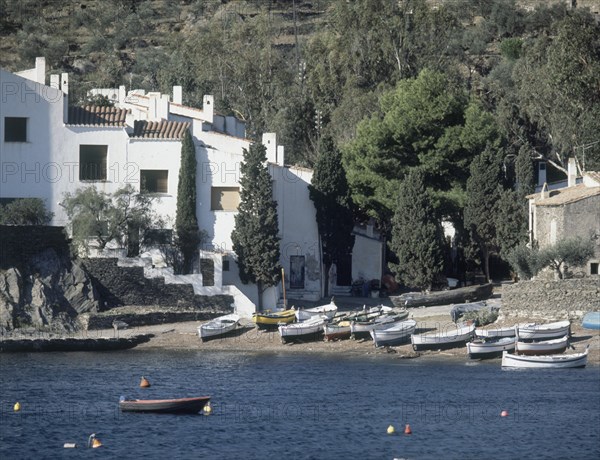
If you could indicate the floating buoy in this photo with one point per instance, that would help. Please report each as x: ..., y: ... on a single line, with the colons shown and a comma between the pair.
x: 96, y: 443
x: 407, y: 429
x: 391, y: 429
x: 144, y: 383
x: 17, y: 407
x: 504, y: 413
x: 207, y: 409
x: 70, y: 445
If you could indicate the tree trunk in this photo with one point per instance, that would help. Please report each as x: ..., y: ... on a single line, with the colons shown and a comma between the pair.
x: 259, y: 286
x: 486, y: 264
x: 326, y: 290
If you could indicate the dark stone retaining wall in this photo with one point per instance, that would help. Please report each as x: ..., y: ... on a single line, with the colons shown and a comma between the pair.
x: 18, y: 243
x: 551, y: 300
x: 133, y: 320
x: 120, y: 286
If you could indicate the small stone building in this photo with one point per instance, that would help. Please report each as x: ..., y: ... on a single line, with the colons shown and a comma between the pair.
x: 573, y: 211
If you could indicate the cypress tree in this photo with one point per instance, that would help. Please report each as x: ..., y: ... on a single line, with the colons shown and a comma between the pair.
x: 331, y: 196
x: 417, y: 236
x: 483, y: 194
x: 186, y: 223
x: 255, y: 236
x: 524, y: 172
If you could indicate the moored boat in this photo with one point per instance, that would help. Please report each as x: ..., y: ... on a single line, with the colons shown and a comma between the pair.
x: 495, y: 332
x: 451, y: 337
x: 218, y: 327
x: 273, y: 320
x: 545, y: 362
x: 591, y: 320
x: 173, y: 406
x: 542, y: 347
x: 360, y: 329
x: 490, y: 348
x: 397, y: 334
x: 534, y: 331
x: 328, y: 310
x: 310, y: 329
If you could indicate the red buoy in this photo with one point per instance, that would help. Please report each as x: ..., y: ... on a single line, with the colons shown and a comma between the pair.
x: 407, y: 429
x: 504, y: 413
x: 144, y: 383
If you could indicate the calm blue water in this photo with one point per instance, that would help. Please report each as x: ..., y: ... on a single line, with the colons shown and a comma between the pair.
x: 272, y: 406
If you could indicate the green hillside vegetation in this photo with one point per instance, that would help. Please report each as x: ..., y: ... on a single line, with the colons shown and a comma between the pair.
x: 397, y: 85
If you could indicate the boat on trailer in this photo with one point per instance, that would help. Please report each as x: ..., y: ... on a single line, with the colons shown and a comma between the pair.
x: 218, y: 327
x: 545, y: 362
x: 490, y: 348
x: 542, y: 347
x: 167, y: 406
x: 396, y: 334
x: 535, y: 331
x: 310, y: 329
x: 454, y: 336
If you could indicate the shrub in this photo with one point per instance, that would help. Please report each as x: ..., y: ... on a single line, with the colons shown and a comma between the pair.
x: 25, y: 211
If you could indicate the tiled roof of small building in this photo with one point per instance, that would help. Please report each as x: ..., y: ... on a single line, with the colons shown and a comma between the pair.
x: 566, y: 195
x: 93, y: 115
x: 163, y: 129
x: 594, y: 175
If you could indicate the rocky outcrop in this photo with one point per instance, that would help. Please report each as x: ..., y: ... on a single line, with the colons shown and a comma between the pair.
x: 49, y: 293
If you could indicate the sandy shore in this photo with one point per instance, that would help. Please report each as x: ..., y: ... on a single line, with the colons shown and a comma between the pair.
x: 249, y: 339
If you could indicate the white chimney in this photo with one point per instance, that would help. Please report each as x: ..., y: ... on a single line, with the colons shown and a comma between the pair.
x: 208, y: 107
x: 40, y: 70
x: 64, y: 87
x: 269, y: 140
x: 177, y: 95
x: 280, y: 155
x: 64, y: 83
x: 122, y: 94
x: 572, y: 173
x: 541, y: 173
x: 55, y: 81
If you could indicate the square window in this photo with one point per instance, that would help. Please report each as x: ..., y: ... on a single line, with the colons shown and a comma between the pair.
x: 225, y: 264
x: 15, y: 129
x: 92, y: 162
x: 594, y: 268
x: 154, y: 180
x: 224, y: 198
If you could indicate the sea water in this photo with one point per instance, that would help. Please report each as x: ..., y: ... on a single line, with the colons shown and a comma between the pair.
x: 276, y: 406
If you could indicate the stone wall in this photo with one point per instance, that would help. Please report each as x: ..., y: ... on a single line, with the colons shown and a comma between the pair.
x: 18, y: 243
x: 119, y: 286
x: 551, y: 300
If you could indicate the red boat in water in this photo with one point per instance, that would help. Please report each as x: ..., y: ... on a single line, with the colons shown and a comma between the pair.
x: 171, y: 406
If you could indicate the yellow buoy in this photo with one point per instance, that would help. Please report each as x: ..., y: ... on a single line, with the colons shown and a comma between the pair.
x: 96, y: 443
x: 391, y: 429
x: 207, y: 409
x: 144, y: 383
x: 17, y: 407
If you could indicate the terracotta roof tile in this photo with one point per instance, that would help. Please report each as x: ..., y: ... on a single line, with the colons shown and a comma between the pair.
x: 163, y: 129
x: 93, y: 115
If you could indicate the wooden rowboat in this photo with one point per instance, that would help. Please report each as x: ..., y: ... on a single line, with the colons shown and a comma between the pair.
x: 360, y: 329
x: 496, y: 332
x: 337, y: 331
x: 273, y: 320
x: 452, y: 337
x: 545, y: 362
x: 460, y: 295
x: 171, y: 406
x: 306, y: 330
x: 396, y: 334
x: 328, y: 310
x: 483, y: 349
x: 547, y: 331
x: 218, y: 327
x: 543, y: 347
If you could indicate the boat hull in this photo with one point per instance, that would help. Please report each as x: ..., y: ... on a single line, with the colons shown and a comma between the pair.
x: 443, y: 340
x: 545, y: 362
x: 307, y: 330
x: 544, y: 331
x: 337, y: 332
x: 218, y: 327
x: 328, y: 310
x: 591, y: 320
x: 496, y: 333
x: 362, y: 329
x: 545, y: 347
x: 460, y: 295
x: 170, y: 406
x: 398, y: 334
x: 491, y: 349
x: 271, y: 321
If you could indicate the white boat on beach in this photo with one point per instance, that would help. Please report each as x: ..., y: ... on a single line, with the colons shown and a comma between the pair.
x: 536, y: 331
x: 496, y: 332
x: 542, y: 347
x: 545, y: 362
x: 490, y: 348
x: 363, y: 328
x: 309, y: 329
x: 218, y: 327
x: 452, y: 336
x: 328, y: 310
x: 396, y: 334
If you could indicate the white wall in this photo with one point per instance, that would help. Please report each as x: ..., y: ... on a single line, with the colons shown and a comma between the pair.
x: 367, y: 256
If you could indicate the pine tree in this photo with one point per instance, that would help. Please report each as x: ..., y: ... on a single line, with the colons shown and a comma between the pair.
x: 483, y: 193
x: 255, y: 237
x: 417, y: 237
x: 331, y: 196
x: 186, y: 223
x: 524, y: 172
